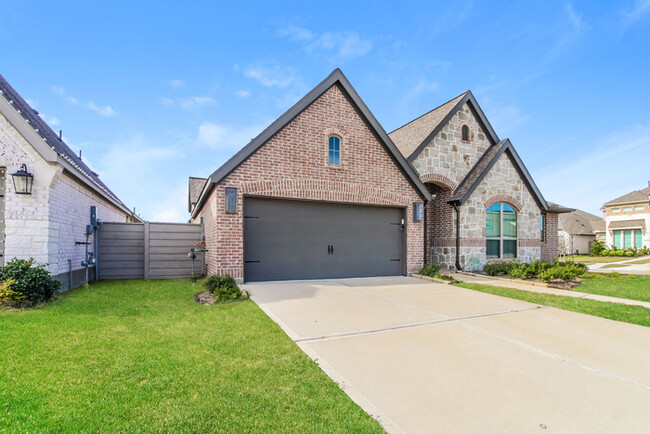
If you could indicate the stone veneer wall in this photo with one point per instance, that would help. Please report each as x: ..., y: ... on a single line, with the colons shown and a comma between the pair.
x: 447, y: 154
x: 46, y: 224
x: 501, y: 184
x: 293, y: 164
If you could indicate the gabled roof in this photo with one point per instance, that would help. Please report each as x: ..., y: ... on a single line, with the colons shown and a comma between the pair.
x: 336, y: 77
x: 413, y: 137
x: 483, y: 166
x: 52, y: 140
x: 194, y: 191
x: 633, y: 197
x: 580, y: 222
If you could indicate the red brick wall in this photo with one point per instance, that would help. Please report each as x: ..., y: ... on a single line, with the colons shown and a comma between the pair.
x: 293, y: 164
x: 441, y: 230
x: 550, y: 244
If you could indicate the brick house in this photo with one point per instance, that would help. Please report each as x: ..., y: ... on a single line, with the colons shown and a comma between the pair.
x: 48, y: 223
x: 325, y: 192
x: 627, y: 219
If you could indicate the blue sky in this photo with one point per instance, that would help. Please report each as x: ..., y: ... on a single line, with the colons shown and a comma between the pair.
x: 153, y: 92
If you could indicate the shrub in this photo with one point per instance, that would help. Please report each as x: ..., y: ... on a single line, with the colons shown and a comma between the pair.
x: 7, y: 293
x: 430, y: 270
x: 223, y: 286
x: 563, y: 270
x: 498, y: 268
x: 598, y: 247
x: 31, y: 283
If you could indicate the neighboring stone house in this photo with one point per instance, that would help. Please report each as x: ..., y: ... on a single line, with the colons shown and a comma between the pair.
x: 578, y: 230
x: 627, y: 220
x: 486, y: 206
x: 49, y: 223
x: 324, y: 192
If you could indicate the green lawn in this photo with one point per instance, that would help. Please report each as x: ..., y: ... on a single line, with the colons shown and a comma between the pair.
x: 133, y: 356
x: 619, y: 312
x: 615, y: 265
x: 621, y: 285
x: 585, y: 259
x: 640, y: 261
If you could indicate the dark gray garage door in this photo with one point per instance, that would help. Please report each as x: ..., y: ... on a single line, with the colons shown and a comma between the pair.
x: 286, y: 240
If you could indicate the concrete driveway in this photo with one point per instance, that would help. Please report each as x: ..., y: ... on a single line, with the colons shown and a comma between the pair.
x: 426, y: 357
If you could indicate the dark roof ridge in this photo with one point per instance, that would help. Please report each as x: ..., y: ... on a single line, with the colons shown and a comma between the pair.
x: 269, y: 132
x: 432, y: 110
x: 483, y: 167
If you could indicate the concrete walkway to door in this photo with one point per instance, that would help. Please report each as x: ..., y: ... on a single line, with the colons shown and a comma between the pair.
x: 426, y: 357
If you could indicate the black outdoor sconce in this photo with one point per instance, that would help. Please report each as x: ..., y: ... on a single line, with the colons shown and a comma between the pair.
x: 23, y: 181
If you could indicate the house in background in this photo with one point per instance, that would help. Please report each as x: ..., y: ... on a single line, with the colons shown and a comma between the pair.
x: 578, y: 230
x: 627, y: 220
x: 324, y: 192
x: 46, y: 217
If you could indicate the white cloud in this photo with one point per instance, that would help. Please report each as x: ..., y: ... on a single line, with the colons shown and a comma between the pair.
x: 225, y: 136
x: 192, y: 102
x: 196, y: 101
x: 177, y: 84
x: 271, y: 76
x: 296, y: 33
x: 639, y: 10
x: 52, y: 121
x: 173, y: 207
x: 242, y: 94
x: 106, y: 110
x: 574, y: 17
x: 588, y: 180
x: 341, y: 46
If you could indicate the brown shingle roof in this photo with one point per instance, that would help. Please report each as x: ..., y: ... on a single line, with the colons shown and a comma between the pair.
x: 627, y: 224
x: 579, y: 222
x: 408, y: 137
x: 633, y: 197
x: 195, y: 188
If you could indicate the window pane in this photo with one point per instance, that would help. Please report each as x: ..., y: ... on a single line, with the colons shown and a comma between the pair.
x: 334, y: 149
x: 492, y: 248
x: 509, y: 248
x: 231, y: 200
x: 496, y: 207
x: 617, y: 239
x: 638, y: 242
x: 507, y: 207
x: 541, y: 225
x: 616, y: 210
x: 492, y: 224
x: 509, y: 224
x: 628, y: 239
x: 627, y: 208
x: 638, y: 208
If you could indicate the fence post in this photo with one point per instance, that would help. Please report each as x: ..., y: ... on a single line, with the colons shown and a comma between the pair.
x: 146, y: 250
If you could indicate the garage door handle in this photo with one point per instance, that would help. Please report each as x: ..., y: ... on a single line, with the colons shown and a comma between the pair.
x: 332, y: 249
x: 329, y: 249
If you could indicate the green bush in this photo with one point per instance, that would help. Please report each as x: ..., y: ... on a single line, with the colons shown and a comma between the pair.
x: 430, y: 270
x: 31, y: 283
x: 499, y: 268
x: 563, y: 270
x: 598, y: 247
x: 223, y: 286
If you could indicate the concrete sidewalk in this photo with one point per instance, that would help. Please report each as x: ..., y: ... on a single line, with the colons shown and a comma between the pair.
x: 486, y: 280
x: 628, y: 269
x: 427, y: 357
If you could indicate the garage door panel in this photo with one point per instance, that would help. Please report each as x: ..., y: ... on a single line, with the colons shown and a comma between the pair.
x: 286, y: 240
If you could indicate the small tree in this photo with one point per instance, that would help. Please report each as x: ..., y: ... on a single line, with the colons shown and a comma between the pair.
x: 597, y: 247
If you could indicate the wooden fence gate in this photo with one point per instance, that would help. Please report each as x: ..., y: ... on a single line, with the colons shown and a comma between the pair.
x: 148, y: 250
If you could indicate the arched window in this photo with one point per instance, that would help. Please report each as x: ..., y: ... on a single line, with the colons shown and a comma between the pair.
x: 334, y: 151
x: 501, y: 231
x: 464, y: 133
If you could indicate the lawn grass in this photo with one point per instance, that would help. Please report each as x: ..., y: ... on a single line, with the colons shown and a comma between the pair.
x: 629, y: 286
x: 615, y: 265
x: 619, y: 312
x: 134, y: 356
x: 585, y: 259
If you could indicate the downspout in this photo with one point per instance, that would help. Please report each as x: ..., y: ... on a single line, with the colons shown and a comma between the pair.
x: 455, y: 205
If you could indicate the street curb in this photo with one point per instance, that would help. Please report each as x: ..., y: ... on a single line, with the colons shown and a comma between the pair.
x: 432, y: 279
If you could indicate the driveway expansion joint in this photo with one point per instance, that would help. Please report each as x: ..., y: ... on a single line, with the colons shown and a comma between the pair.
x: 411, y: 325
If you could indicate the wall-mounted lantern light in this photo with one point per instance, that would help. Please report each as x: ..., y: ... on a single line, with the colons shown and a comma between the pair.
x: 417, y: 212
x: 23, y: 181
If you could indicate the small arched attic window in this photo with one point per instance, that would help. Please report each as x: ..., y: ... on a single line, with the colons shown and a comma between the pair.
x: 464, y: 133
